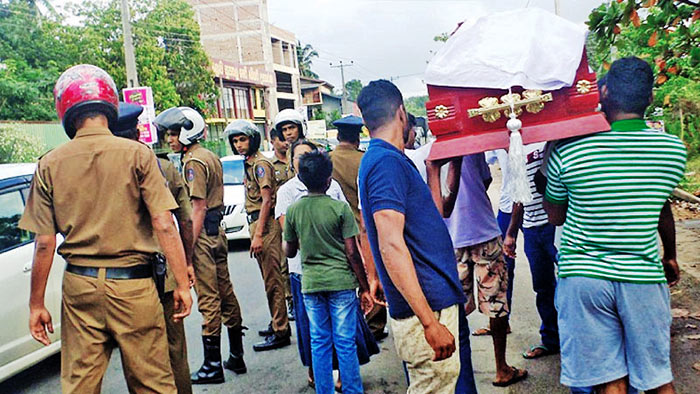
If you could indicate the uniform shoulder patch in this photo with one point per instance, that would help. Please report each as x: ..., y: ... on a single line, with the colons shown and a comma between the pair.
x: 189, y: 174
x: 260, y: 171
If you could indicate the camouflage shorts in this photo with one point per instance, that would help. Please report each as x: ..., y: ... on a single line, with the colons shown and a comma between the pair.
x: 487, y: 262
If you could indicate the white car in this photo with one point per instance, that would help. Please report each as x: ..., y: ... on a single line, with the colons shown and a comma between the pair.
x: 18, y: 350
x: 235, y: 221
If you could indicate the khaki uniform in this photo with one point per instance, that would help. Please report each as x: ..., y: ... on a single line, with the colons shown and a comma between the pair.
x: 99, y: 191
x: 215, y: 297
x: 282, y: 175
x: 259, y: 173
x: 346, y: 167
x: 177, y: 345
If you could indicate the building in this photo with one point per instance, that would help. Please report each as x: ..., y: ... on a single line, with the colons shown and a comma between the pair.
x: 317, y: 96
x: 254, y: 62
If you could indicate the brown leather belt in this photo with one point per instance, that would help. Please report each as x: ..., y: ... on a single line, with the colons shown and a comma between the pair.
x: 140, y: 271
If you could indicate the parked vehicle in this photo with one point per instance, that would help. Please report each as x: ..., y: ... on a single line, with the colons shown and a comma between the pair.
x: 235, y: 221
x: 18, y: 350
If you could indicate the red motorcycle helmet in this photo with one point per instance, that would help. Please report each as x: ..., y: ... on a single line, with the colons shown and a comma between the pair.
x: 84, y: 88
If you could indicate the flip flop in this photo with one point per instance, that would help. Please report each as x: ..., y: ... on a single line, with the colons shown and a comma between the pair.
x: 545, y: 352
x: 518, y: 375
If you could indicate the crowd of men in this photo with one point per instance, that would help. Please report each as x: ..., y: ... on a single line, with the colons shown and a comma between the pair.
x: 413, y: 235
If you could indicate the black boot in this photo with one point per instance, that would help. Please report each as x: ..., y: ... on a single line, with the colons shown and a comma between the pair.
x: 235, y: 361
x: 266, y: 332
x: 273, y: 341
x: 211, y: 371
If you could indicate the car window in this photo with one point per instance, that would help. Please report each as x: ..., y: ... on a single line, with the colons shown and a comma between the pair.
x: 11, y: 208
x: 233, y: 172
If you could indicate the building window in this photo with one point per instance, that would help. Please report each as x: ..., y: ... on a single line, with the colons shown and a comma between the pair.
x: 242, y: 103
x: 226, y: 103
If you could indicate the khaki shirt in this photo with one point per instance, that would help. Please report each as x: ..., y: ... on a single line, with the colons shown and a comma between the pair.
x: 183, y: 211
x: 204, y: 176
x: 282, y: 170
x: 259, y: 173
x: 99, y: 191
x: 346, y: 167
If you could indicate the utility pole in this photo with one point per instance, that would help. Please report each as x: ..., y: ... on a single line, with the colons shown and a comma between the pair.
x: 132, y: 78
x: 556, y: 7
x: 341, y: 65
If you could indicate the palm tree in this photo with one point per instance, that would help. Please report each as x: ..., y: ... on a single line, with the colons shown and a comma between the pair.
x: 305, y: 57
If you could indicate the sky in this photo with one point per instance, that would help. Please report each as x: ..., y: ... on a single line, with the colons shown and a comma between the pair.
x: 390, y: 38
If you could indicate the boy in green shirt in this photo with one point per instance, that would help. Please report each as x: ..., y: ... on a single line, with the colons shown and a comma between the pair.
x: 332, y: 269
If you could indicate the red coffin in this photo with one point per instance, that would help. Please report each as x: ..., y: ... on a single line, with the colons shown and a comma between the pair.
x: 571, y: 112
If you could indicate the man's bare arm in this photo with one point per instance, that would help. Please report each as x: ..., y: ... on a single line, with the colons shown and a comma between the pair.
x: 667, y: 233
x: 39, y: 316
x: 444, y: 204
x: 174, y: 252
x: 199, y: 211
x: 556, y: 213
x: 516, y: 221
x: 399, y: 265
x: 291, y: 248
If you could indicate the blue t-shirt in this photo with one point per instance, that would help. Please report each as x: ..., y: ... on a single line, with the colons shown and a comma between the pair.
x: 389, y: 180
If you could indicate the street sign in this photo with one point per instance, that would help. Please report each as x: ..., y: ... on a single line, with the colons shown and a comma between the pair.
x: 316, y: 129
x: 143, y: 96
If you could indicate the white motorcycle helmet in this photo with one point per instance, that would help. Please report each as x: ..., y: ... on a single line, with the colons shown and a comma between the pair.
x: 290, y: 116
x: 184, y: 119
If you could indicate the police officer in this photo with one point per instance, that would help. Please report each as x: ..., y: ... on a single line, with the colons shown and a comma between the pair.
x: 283, y: 173
x: 107, y: 198
x: 346, y: 160
x: 216, y: 300
x: 265, y: 233
x: 290, y: 124
x: 126, y: 127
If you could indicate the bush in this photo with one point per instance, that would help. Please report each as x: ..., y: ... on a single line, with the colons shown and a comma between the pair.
x: 17, y: 146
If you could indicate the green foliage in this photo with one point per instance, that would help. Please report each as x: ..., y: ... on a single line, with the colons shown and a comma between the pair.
x: 353, y: 88
x: 332, y: 117
x: 416, y: 105
x: 665, y: 33
x: 305, y: 57
x: 18, y: 147
x: 35, y: 49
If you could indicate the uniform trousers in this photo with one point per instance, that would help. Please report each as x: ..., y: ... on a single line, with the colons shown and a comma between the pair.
x: 177, y: 346
x: 269, y: 262
x: 215, y: 297
x: 100, y: 314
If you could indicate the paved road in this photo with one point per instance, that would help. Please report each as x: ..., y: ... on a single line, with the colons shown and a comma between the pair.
x: 280, y: 371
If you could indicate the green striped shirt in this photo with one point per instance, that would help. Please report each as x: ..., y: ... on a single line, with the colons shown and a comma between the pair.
x: 615, y: 184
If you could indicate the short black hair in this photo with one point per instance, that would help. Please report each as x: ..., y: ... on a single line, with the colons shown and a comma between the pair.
x: 411, y: 120
x: 315, y: 168
x: 378, y: 103
x: 298, y: 142
x: 349, y: 133
x: 274, y: 133
x: 80, y: 118
x: 130, y: 133
x: 629, y: 83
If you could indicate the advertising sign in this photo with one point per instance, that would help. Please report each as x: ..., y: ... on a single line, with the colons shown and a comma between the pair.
x: 316, y: 129
x: 143, y: 96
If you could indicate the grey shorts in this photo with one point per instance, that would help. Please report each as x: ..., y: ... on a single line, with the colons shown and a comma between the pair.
x: 609, y: 330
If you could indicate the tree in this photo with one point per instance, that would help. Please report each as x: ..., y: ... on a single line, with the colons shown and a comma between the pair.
x: 33, y: 54
x: 305, y: 56
x: 665, y: 33
x: 416, y: 105
x: 353, y: 88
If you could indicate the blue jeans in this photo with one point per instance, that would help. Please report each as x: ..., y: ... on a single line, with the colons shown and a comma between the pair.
x: 333, y: 323
x: 465, y: 382
x: 542, y: 256
x: 503, y: 222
